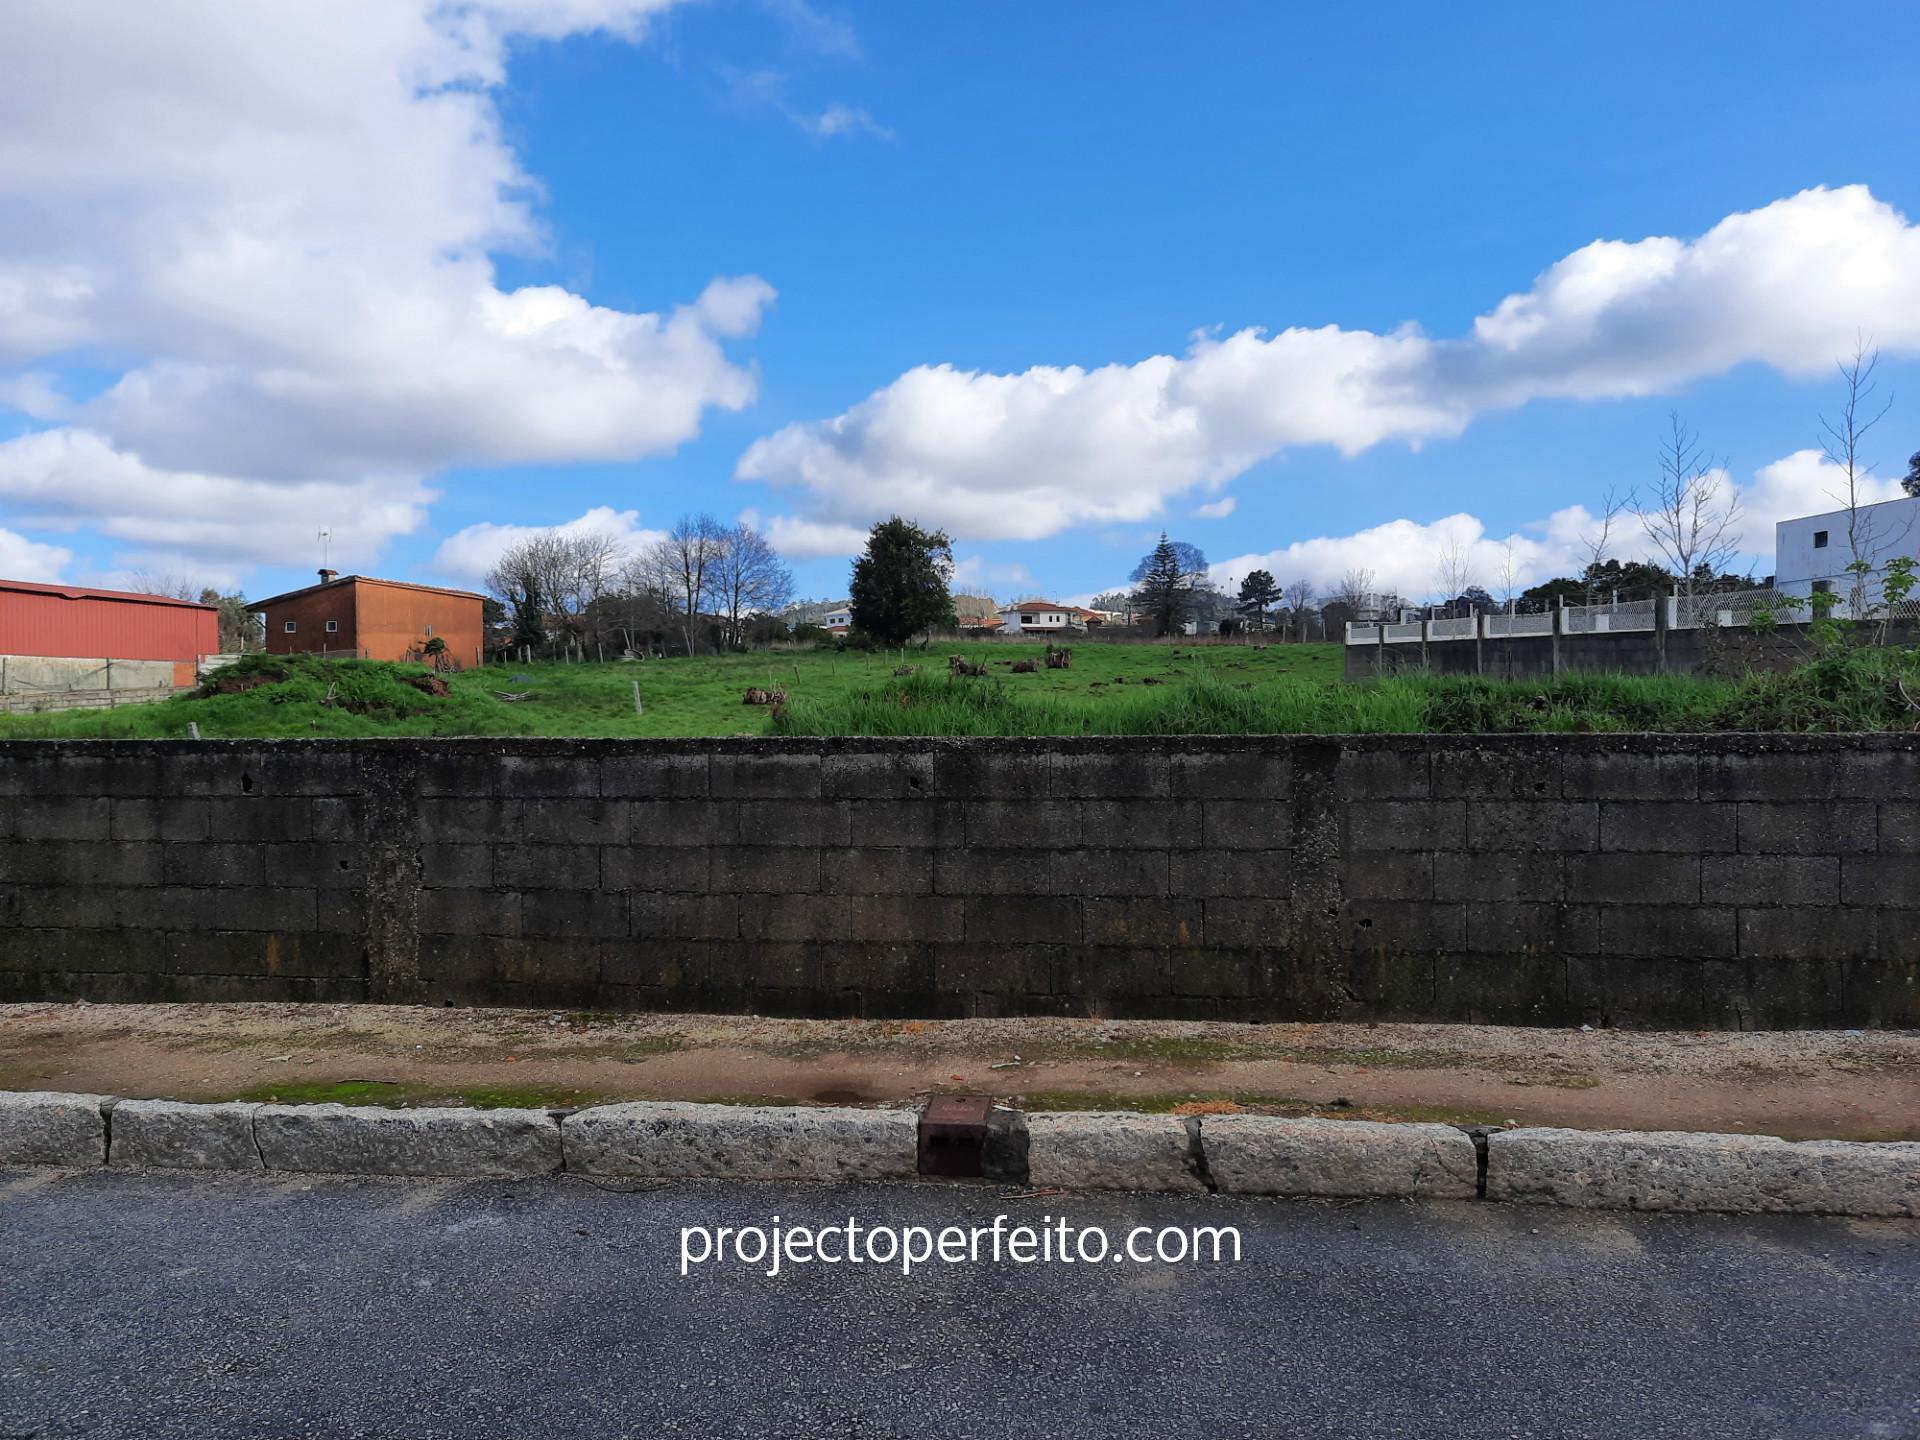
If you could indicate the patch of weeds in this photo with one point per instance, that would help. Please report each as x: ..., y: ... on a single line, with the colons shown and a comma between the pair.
x: 400, y: 1095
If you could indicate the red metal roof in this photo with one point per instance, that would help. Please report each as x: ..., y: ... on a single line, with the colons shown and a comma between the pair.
x: 81, y: 623
x: 86, y: 592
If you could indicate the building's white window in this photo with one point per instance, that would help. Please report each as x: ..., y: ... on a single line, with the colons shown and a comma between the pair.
x: 429, y: 632
x: 333, y: 627
x: 1819, y: 539
x: 292, y: 626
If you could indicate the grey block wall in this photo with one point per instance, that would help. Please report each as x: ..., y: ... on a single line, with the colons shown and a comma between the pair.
x: 1728, y: 881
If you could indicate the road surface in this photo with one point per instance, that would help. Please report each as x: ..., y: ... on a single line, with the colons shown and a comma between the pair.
x: 172, y: 1305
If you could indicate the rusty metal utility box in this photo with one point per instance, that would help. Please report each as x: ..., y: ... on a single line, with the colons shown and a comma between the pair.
x: 953, y: 1136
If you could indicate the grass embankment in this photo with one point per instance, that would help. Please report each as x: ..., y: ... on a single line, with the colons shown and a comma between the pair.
x: 278, y: 696
x: 1846, y: 691
x: 1111, y: 690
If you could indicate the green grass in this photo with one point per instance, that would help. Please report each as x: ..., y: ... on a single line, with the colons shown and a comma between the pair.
x: 397, y: 1093
x: 682, y: 697
x: 1112, y: 689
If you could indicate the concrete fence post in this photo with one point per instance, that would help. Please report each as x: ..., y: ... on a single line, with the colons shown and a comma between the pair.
x: 1559, y: 629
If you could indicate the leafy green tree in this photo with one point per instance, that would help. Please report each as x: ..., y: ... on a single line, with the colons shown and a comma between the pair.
x: 1258, y: 594
x: 1910, y: 482
x: 1165, y: 581
x: 899, y: 585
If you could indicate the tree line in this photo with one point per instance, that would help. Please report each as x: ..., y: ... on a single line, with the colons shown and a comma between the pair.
x: 704, y: 585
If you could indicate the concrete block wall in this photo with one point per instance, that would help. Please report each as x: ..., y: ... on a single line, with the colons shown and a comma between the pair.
x: 1727, y: 881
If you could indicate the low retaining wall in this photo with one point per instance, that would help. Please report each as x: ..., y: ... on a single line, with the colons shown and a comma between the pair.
x: 1675, y: 881
x: 1726, y: 650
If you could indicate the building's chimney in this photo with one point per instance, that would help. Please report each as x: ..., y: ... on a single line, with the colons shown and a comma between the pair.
x: 327, y: 576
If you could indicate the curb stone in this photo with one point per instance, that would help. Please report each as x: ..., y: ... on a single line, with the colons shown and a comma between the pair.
x: 1118, y: 1150
x: 667, y: 1139
x: 48, y: 1127
x: 369, y: 1140
x: 1680, y: 1170
x: 1234, y: 1154
x: 172, y: 1135
x: 1268, y: 1155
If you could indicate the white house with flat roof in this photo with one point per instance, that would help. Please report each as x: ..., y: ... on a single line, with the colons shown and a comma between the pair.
x: 1812, y: 552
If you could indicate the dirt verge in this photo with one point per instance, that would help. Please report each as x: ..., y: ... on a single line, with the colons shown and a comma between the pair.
x: 1798, y: 1084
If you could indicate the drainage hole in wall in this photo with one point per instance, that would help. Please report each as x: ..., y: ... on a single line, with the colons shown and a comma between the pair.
x: 246, y: 784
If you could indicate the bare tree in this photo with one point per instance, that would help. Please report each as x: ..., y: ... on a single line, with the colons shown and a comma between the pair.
x: 684, y: 564
x: 1692, y: 516
x: 561, y: 573
x: 1454, y: 570
x: 1298, y: 598
x: 1355, y: 589
x: 169, y: 585
x: 1596, y: 543
x: 1841, y: 441
x: 746, y: 578
x: 1509, y: 577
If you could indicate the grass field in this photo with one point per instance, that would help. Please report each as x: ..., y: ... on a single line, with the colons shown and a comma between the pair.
x: 1111, y: 690
x: 682, y: 697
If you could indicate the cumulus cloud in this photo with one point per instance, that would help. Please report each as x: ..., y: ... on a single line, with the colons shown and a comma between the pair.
x: 24, y: 559
x: 1216, y: 509
x: 1405, y: 556
x: 286, y: 217
x: 212, y: 526
x: 470, y: 553
x: 802, y: 539
x: 1023, y: 456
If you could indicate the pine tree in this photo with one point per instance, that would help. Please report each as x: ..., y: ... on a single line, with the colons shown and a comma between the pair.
x: 1164, y: 583
x: 1259, y: 593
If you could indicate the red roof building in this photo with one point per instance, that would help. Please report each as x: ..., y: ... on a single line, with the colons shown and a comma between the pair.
x: 376, y: 620
x: 75, y: 622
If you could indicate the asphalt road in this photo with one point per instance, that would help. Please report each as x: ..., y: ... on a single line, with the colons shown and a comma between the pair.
x: 162, y: 1305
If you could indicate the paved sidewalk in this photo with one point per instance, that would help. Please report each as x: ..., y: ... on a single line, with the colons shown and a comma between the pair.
x: 173, y: 1306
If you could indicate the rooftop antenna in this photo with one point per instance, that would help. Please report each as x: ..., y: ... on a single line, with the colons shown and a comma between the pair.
x: 326, y: 547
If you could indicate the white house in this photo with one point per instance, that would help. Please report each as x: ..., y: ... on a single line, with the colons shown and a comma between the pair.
x: 838, y: 620
x: 1812, y: 553
x: 1036, y: 617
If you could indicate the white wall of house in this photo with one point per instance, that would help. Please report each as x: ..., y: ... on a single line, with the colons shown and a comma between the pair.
x: 838, y: 617
x: 1813, y: 550
x: 1026, y: 620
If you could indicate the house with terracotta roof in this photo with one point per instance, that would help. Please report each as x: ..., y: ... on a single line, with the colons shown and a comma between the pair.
x: 376, y: 620
x: 1048, y: 617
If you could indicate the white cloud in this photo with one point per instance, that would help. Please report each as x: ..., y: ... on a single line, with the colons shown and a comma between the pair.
x: 1023, y: 456
x: 470, y: 553
x: 769, y: 88
x: 1216, y: 509
x: 211, y: 526
x: 284, y: 215
x: 24, y: 559
x: 977, y: 575
x: 1405, y: 555
x: 800, y: 539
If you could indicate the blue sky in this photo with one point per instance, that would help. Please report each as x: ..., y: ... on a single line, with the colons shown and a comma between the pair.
x: 991, y: 188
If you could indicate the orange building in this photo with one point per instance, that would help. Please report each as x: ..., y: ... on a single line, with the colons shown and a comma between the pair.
x: 375, y: 620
